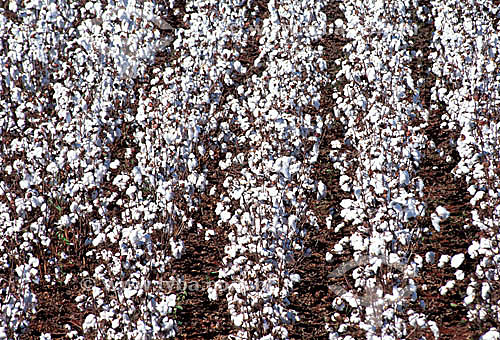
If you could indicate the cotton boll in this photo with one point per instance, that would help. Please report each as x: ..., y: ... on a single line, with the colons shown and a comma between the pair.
x: 212, y: 294
x: 442, y: 213
x: 469, y: 299
x: 346, y: 203
x: 443, y: 260
x: 225, y: 216
x: 321, y: 190
x: 457, y: 260
x: 485, y: 290
x: 89, y: 323
x: 101, y: 237
x: 114, y: 164
x: 434, y: 328
x: 131, y: 191
x: 492, y: 334
x: 238, y: 320
x: 208, y: 234
x: 473, y: 249
x: 176, y: 248
x: 430, y: 257
x: 477, y: 197
x: 129, y: 292
x: 295, y: 278
x: 435, y: 222
x: 338, y: 248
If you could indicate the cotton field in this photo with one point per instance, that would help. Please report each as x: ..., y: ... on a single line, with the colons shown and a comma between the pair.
x: 250, y: 169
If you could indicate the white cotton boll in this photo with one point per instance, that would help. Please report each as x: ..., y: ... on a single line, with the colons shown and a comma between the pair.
x: 484, y: 243
x: 490, y: 67
x: 321, y: 190
x: 24, y: 184
x: 472, y: 190
x: 176, y: 248
x: 273, y: 114
x: 328, y: 221
x: 129, y: 292
x: 131, y: 190
x: 72, y: 156
x: 238, y: 320
x: 450, y: 284
x: 141, y: 114
x: 477, y: 197
x: 434, y: 328
x: 96, y: 292
x: 443, y: 260
x: 357, y: 242
x: 376, y: 246
x: 473, y: 249
x: 101, y: 237
x: 52, y: 168
x: 435, y: 222
x: 208, y: 234
x: 393, y: 258
x: 44, y: 336
x: 237, y: 66
x: 485, y: 290
x: 346, y: 203
x: 295, y: 278
x: 212, y: 294
x: 338, y: 248
x: 442, y: 213
x: 441, y: 92
x: 459, y: 275
x: 492, y: 334
x: 469, y: 299
x: 457, y: 260
x: 114, y: 164
x: 225, y: 216
x: 89, y: 323
x: 115, y: 323
x: 430, y: 257
x: 351, y: 300
x: 230, y: 250
x: 328, y: 257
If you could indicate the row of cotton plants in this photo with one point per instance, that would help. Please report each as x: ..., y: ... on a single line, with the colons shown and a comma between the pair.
x: 466, y: 65
x: 67, y: 100
x: 265, y: 204
x: 379, y: 107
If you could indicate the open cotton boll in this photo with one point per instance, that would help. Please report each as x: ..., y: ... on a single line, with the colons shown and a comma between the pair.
x: 238, y: 320
x: 430, y: 257
x: 443, y: 260
x: 473, y: 249
x: 321, y: 190
x: 89, y: 323
x: 442, y: 213
x: 457, y: 260
x: 492, y: 334
x: 435, y: 222
x: 212, y: 294
x: 176, y: 248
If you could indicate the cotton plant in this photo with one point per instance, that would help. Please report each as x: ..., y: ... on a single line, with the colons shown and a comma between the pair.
x: 470, y: 89
x: 68, y: 137
x: 383, y: 186
x: 262, y: 240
